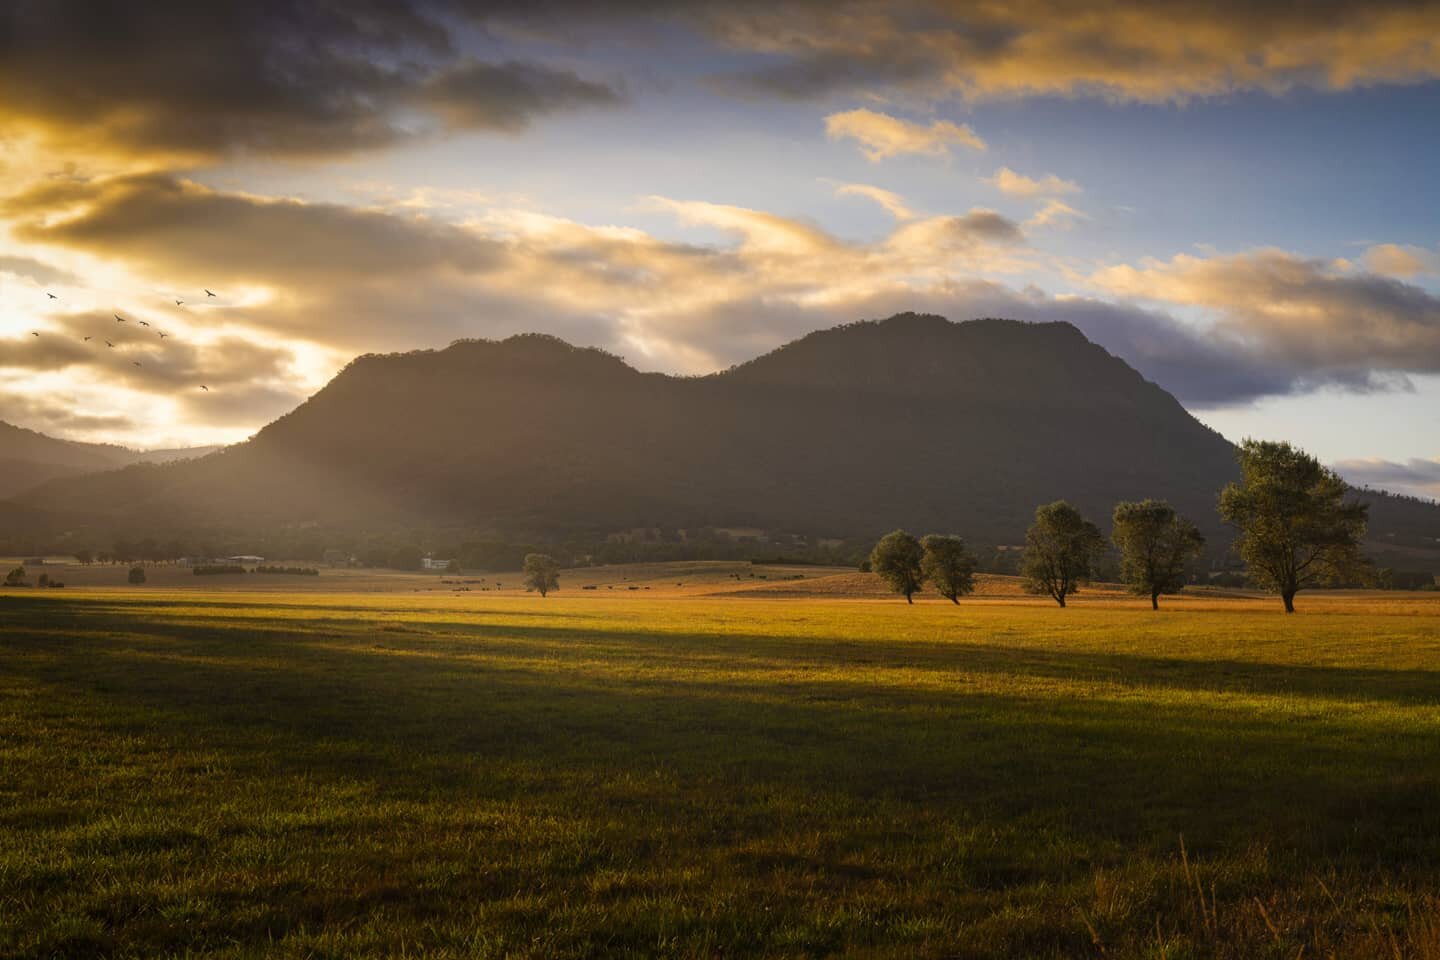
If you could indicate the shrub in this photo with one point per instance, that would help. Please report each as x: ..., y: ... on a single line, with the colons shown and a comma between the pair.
x: 217, y: 569
x: 137, y: 574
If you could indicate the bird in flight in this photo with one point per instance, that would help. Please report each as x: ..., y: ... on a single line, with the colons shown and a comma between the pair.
x: 87, y: 339
x: 109, y: 344
x: 119, y: 319
x: 205, y: 388
x: 163, y: 335
x: 34, y: 334
x: 52, y: 296
x: 143, y: 323
x: 209, y: 294
x: 136, y: 362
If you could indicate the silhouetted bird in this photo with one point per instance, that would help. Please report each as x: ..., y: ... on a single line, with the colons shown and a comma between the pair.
x: 34, y: 334
x: 119, y: 319
x: 52, y: 296
x: 163, y: 335
x: 87, y: 339
x: 178, y: 302
x: 205, y: 388
x: 209, y: 294
x: 143, y: 323
x: 109, y: 344
x: 136, y: 362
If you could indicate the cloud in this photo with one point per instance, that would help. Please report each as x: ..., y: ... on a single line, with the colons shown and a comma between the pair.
x: 1009, y: 182
x: 881, y: 135
x: 1131, y: 50
x: 893, y: 203
x: 1401, y: 261
x: 40, y: 273
x: 505, y: 96
x: 1418, y: 477
x: 1055, y: 213
x: 1319, y: 321
x: 174, y: 81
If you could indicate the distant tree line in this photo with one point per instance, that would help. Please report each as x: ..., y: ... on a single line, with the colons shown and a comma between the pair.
x: 1296, y: 530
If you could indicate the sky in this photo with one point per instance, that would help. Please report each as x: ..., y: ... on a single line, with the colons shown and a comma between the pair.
x: 1240, y: 200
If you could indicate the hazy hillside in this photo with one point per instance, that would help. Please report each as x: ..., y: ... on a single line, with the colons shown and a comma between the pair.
x: 29, y: 458
x: 912, y: 421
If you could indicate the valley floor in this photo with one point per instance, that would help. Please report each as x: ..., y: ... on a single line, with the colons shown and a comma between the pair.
x: 307, y: 772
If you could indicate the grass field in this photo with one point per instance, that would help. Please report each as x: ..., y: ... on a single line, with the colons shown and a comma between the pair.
x: 308, y: 774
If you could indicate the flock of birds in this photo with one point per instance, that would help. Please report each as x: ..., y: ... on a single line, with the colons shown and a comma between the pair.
x: 120, y: 319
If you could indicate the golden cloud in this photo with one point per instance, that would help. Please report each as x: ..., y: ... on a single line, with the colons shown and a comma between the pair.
x: 881, y: 135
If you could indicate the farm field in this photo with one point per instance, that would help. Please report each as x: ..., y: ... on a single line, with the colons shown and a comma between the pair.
x: 194, y: 770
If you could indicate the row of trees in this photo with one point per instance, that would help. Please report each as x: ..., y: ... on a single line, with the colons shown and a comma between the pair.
x: 1296, y: 529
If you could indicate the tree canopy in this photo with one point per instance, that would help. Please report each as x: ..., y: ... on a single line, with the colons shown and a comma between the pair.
x: 896, y: 558
x: 1296, y: 527
x: 541, y: 573
x: 948, y: 566
x: 1155, y: 545
x: 1061, y: 547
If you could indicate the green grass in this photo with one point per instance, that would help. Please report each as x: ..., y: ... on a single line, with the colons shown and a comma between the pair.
x: 316, y: 775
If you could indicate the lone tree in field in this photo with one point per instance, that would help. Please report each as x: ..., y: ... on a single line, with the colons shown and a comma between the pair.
x: 137, y: 574
x: 896, y: 558
x: 1296, y: 529
x: 1155, y: 543
x: 1061, y: 547
x: 948, y: 566
x: 541, y: 573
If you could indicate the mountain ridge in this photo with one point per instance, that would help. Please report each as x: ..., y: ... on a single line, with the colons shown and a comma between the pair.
x: 911, y: 421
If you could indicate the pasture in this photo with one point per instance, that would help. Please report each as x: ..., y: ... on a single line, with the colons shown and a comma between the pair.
x: 616, y: 773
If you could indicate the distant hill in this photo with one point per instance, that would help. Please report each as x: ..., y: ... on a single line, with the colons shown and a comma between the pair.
x: 29, y: 458
x: 912, y: 421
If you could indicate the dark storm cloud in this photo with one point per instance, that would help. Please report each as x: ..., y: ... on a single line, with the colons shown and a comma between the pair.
x: 276, y: 77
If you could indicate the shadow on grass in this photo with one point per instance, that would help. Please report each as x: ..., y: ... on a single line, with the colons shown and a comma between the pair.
x: 522, y: 716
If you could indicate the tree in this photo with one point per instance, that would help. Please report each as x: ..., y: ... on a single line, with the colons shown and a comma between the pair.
x: 1061, y: 547
x: 84, y: 557
x: 15, y: 578
x: 948, y: 566
x: 1296, y: 528
x: 541, y: 573
x: 896, y: 558
x: 137, y: 574
x: 1155, y: 544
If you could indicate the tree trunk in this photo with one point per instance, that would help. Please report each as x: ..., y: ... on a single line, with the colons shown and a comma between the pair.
x: 1289, y: 597
x: 1060, y: 599
x: 1154, y: 601
x: 955, y: 600
x: 909, y: 599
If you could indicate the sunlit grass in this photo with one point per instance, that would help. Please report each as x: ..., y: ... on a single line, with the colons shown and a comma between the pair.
x: 308, y: 774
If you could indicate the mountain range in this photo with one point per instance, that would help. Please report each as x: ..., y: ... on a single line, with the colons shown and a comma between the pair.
x: 913, y: 421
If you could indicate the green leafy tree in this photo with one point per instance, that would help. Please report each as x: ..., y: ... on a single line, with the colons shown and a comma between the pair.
x: 541, y: 573
x: 137, y: 574
x: 1296, y: 527
x: 896, y: 558
x: 1155, y: 545
x: 948, y: 566
x: 1061, y: 548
